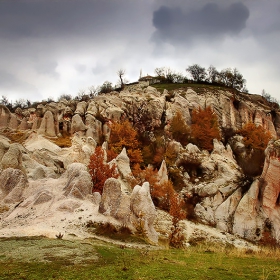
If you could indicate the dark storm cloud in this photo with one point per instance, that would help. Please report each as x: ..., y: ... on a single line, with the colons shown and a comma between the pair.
x: 38, y: 18
x: 207, y: 22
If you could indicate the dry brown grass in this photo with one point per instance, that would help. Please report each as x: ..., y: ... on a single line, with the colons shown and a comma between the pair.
x: 63, y: 142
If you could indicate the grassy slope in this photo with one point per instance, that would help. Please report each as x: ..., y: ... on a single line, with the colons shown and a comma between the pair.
x: 60, y: 259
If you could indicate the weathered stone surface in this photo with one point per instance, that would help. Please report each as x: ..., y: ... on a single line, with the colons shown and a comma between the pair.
x: 12, y: 184
x: 204, y: 214
x: 270, y: 186
x: 163, y: 173
x: 4, y: 116
x: 43, y: 197
x: 4, y: 147
x: 144, y: 211
x: 47, y: 126
x: 81, y: 108
x: 225, y: 212
x: 122, y: 162
x: 94, y: 128
x: 111, y: 197
x: 246, y: 217
x: 12, y: 158
x: 77, y: 124
x: 79, y: 183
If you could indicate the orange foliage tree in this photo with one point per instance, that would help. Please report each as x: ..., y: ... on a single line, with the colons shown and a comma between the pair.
x: 179, y: 129
x: 99, y: 170
x: 255, y: 137
x: 124, y: 135
x: 176, y: 237
x: 204, y: 128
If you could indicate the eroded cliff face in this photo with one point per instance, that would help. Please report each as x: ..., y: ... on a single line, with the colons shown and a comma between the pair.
x: 43, y: 182
x: 147, y: 108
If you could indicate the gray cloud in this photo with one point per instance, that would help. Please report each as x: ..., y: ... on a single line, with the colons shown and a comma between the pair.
x: 60, y: 46
x: 65, y: 18
x: 174, y: 24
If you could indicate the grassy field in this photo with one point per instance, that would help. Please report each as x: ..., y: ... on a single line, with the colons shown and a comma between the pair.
x: 40, y: 258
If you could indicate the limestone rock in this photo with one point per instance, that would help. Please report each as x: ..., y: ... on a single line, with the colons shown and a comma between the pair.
x: 270, y: 185
x: 225, y: 212
x: 246, y: 217
x: 81, y: 108
x: 12, y: 184
x: 122, y: 162
x: 12, y: 158
x: 77, y: 124
x: 47, y: 126
x: 79, y: 183
x: 111, y: 197
x: 5, y: 115
x: 144, y: 211
x: 163, y: 173
x: 94, y: 128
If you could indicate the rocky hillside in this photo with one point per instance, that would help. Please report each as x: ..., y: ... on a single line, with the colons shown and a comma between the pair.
x: 45, y: 187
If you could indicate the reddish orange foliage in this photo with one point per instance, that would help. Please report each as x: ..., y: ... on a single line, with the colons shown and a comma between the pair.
x: 99, y: 170
x: 176, y: 208
x: 204, y: 128
x: 255, y: 137
x: 179, y: 129
x: 124, y: 135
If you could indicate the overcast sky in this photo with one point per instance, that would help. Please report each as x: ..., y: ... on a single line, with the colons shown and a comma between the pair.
x: 54, y: 47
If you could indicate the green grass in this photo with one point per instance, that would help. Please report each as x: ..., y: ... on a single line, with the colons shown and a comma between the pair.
x: 41, y: 258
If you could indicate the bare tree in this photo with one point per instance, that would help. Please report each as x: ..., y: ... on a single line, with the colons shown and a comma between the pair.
x: 212, y: 74
x: 121, y: 73
x: 93, y: 91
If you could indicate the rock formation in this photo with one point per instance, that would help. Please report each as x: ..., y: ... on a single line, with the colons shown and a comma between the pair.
x: 135, y: 211
x: 49, y: 182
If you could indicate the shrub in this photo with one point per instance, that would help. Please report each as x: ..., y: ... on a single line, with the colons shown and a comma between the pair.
x: 99, y: 170
x: 204, y: 128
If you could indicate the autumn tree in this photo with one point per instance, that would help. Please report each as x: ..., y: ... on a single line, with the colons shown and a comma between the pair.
x: 123, y: 135
x: 99, y: 170
x: 255, y: 137
x: 176, y: 237
x: 179, y: 129
x: 204, y: 128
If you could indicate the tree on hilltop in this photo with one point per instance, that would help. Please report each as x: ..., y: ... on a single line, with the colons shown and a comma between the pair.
x: 197, y: 72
